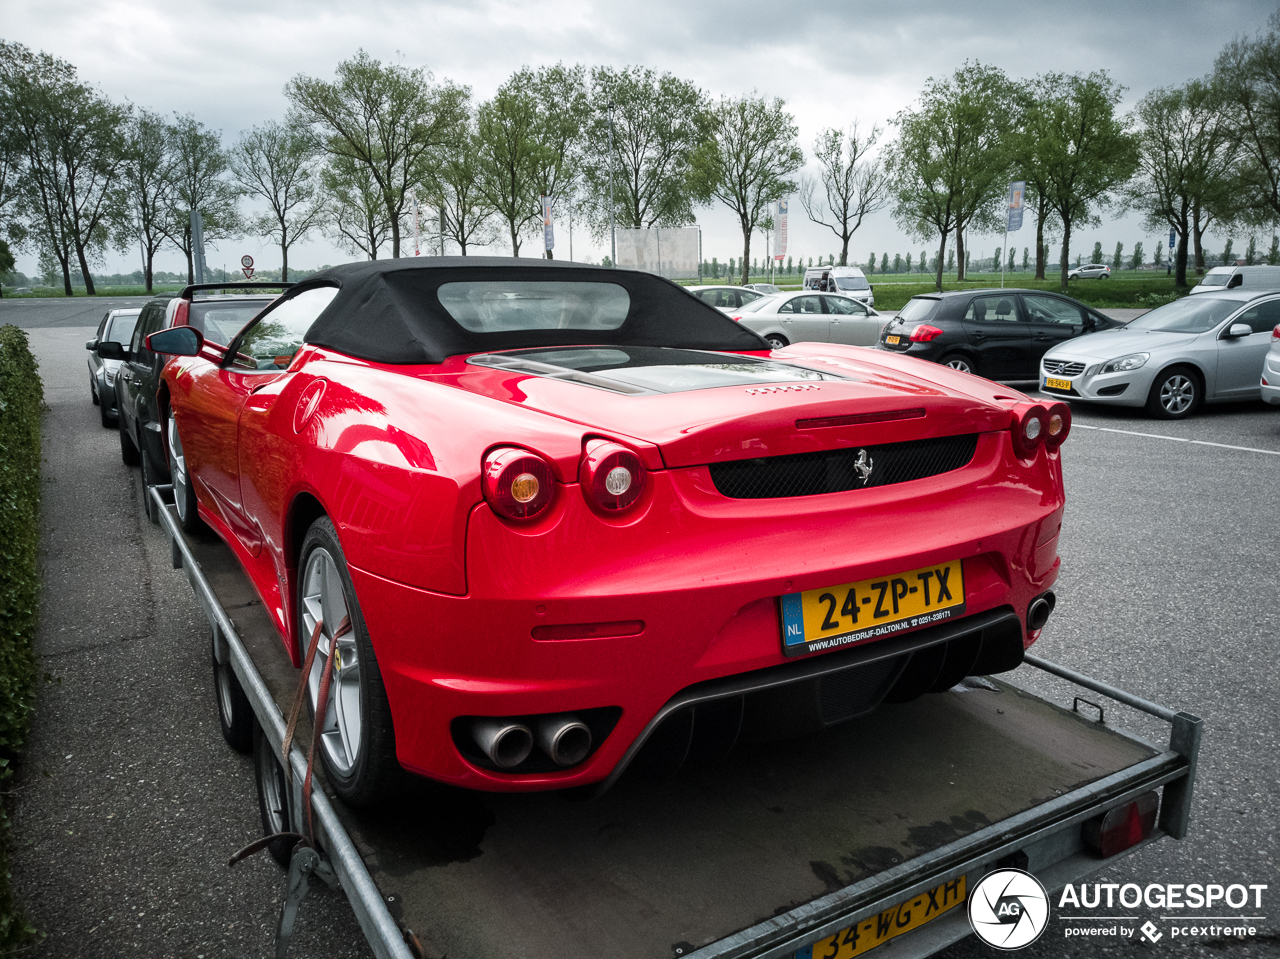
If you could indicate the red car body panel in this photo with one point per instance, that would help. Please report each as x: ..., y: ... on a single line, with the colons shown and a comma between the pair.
x: 452, y: 593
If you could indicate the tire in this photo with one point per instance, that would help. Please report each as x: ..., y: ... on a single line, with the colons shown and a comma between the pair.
x: 1176, y: 393
x: 776, y: 342
x: 128, y: 451
x: 960, y: 362
x: 357, y: 742
x: 273, y: 797
x: 235, y: 715
x: 184, y: 496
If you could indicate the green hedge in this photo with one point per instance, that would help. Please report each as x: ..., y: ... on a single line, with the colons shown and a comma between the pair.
x: 21, y: 402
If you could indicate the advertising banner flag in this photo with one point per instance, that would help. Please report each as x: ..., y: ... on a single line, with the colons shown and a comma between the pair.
x: 781, y: 226
x: 1017, y: 191
x: 417, y: 223
x: 548, y: 231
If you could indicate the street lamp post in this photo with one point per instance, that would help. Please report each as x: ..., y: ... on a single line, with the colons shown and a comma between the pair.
x: 613, y: 230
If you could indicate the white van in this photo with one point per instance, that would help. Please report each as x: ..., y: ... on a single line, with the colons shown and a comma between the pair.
x: 1235, y: 277
x: 848, y: 280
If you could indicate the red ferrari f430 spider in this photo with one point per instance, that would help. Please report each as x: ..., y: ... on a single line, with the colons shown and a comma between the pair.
x: 552, y: 520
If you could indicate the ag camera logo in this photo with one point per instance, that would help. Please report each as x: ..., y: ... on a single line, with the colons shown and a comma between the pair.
x: 1009, y: 909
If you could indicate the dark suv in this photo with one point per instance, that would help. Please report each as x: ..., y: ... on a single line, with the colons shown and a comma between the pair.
x: 999, y: 334
x: 218, y: 317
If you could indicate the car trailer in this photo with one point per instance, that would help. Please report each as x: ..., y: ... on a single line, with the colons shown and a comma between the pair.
x: 867, y: 832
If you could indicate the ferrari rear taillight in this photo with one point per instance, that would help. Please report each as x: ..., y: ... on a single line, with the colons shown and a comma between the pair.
x: 612, y: 476
x: 1059, y: 425
x: 518, y: 484
x: 1030, y: 425
x: 924, y: 333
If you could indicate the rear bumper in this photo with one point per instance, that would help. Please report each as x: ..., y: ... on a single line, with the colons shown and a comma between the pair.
x: 702, y: 573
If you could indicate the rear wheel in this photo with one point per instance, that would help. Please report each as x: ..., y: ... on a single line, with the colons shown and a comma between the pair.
x: 128, y: 451
x: 775, y: 341
x: 184, y: 497
x: 235, y: 715
x: 1175, y: 394
x: 357, y: 740
x: 273, y: 798
x: 958, y: 361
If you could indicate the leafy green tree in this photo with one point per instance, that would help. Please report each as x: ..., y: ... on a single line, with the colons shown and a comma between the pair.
x: 884, y: 263
x: 1135, y: 262
x: 1273, y: 254
x: 1159, y: 258
x: 1086, y: 150
x: 950, y: 161
x: 897, y: 262
x: 995, y: 259
x: 1246, y: 89
x: 748, y: 162
x: 201, y: 182
x: 1026, y: 258
x: 354, y: 208
x: 853, y: 184
x: 1096, y: 256
x: 790, y: 269
x: 146, y: 190
x: 1118, y: 259
x: 1228, y: 254
x: 908, y: 262
x: 390, y: 119
x: 466, y: 213
x: 71, y: 139
x: 951, y: 261
x: 1251, y: 251
x: 276, y: 164
x: 924, y: 261
x: 656, y: 124
x: 871, y: 263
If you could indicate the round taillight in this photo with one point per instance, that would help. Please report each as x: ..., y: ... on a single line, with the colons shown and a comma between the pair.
x: 1030, y: 427
x: 1059, y: 425
x: 518, y: 484
x: 612, y: 476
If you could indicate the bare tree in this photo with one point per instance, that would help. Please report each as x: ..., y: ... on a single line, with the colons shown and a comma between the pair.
x: 854, y: 185
x: 277, y: 164
x: 749, y: 161
x: 467, y: 215
x: 390, y: 119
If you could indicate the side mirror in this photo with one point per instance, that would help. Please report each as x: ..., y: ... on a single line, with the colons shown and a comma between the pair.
x: 1238, y: 330
x: 91, y: 344
x: 176, y: 341
x: 110, y: 350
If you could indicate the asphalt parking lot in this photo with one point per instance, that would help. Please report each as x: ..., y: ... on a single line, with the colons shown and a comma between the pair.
x: 129, y: 803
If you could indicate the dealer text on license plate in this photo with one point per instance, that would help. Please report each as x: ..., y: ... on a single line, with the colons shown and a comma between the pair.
x: 834, y: 616
x: 893, y: 340
x: 879, y: 929
x: 1053, y: 384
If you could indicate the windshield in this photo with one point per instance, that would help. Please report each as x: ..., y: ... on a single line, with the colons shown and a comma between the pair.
x: 852, y: 283
x: 1215, y: 279
x: 755, y: 306
x: 1194, y: 314
x: 918, y: 308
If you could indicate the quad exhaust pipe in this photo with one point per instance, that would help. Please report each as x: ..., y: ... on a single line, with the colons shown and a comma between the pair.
x: 508, y: 743
x: 1039, y: 610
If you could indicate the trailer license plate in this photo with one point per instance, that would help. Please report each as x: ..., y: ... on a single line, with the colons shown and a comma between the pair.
x: 1053, y: 384
x: 879, y: 929
x: 893, y: 340
x: 834, y: 616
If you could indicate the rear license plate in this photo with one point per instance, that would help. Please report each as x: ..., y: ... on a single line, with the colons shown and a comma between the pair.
x: 879, y: 929
x: 835, y: 616
x: 893, y: 340
x: 1053, y: 384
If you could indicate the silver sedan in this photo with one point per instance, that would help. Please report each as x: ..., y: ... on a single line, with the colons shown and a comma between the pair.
x: 116, y: 327
x: 1208, y: 348
x: 785, y: 318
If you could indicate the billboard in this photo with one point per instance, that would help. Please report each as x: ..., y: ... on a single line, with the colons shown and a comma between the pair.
x: 673, y: 252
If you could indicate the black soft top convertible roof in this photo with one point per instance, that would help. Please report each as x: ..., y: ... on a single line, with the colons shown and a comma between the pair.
x: 387, y: 311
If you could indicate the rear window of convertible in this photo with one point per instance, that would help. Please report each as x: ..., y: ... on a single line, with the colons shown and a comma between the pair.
x: 495, y: 306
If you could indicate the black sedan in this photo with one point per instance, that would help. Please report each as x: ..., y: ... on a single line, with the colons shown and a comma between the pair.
x: 999, y: 334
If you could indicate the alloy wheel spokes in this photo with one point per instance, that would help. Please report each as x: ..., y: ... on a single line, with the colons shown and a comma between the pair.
x: 323, y: 600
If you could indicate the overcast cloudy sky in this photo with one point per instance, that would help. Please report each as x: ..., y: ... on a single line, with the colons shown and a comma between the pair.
x: 227, y: 62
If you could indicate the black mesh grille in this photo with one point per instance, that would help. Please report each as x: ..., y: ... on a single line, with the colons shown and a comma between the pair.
x: 806, y: 474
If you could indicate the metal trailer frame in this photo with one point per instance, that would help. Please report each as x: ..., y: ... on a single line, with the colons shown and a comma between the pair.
x: 1047, y: 833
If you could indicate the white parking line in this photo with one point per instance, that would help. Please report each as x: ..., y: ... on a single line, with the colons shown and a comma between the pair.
x: 1176, y: 439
